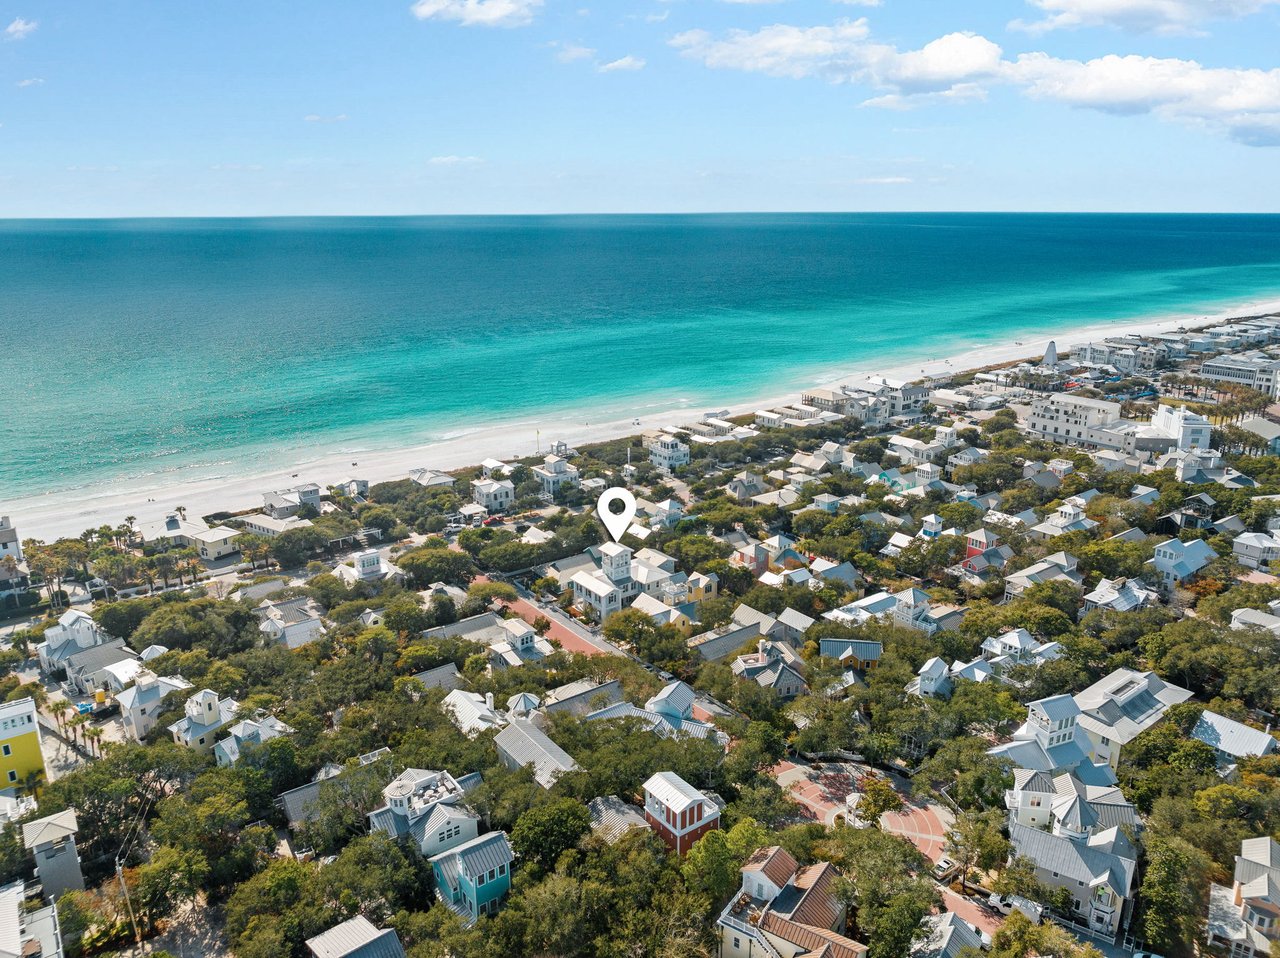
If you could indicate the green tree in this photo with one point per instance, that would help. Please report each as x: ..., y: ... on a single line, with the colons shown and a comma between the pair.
x: 877, y: 797
x: 976, y: 840
x: 1174, y: 895
x: 542, y: 833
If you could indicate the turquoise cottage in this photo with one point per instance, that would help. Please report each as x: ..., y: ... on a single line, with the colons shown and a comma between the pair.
x: 473, y: 878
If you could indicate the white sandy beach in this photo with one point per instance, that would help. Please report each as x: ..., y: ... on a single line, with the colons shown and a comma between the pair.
x: 68, y: 514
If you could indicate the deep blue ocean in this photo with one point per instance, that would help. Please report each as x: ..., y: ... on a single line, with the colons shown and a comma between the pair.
x: 134, y: 348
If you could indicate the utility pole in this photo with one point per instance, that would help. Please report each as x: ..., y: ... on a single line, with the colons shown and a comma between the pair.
x: 127, y: 903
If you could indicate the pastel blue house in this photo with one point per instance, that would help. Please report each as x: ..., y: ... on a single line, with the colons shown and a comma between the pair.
x: 473, y: 878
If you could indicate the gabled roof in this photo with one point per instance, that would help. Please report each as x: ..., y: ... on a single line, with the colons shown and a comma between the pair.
x: 356, y: 938
x: 673, y: 791
x: 1073, y: 860
x: 613, y: 818
x: 51, y: 828
x: 774, y: 862
x: 1234, y: 738
x: 526, y: 744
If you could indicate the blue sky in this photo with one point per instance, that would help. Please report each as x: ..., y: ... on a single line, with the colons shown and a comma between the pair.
x: 152, y: 108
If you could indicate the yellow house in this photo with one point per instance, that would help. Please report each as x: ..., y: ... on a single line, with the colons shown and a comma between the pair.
x: 20, y: 752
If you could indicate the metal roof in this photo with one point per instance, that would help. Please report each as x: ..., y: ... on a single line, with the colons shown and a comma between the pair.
x: 356, y: 938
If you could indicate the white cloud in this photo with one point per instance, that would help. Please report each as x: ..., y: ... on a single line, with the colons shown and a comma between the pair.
x: 950, y: 67
x: 859, y: 3
x: 1244, y: 104
x: 1142, y: 16
x: 453, y: 160
x: 779, y: 50
x: 622, y: 63
x: 237, y: 167
x: 569, y: 52
x: 31, y: 81
x: 20, y: 29
x: 657, y: 17
x: 885, y: 180
x: 317, y: 118
x: 478, y: 13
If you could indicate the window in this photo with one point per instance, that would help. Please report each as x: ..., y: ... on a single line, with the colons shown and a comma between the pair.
x: 13, y: 776
x: 481, y: 880
x: 202, y: 740
x: 502, y: 869
x: 737, y: 942
x: 7, y: 750
x: 492, y: 874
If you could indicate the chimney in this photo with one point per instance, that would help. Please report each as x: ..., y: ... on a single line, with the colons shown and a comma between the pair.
x: 488, y: 699
x: 760, y: 646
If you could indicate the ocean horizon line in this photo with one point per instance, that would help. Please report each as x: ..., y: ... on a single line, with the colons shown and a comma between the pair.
x: 621, y: 214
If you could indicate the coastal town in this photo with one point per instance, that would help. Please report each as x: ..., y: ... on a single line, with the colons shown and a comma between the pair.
x: 983, y: 662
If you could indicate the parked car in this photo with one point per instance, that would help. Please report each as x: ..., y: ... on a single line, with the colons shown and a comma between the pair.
x: 944, y: 869
x: 1008, y: 904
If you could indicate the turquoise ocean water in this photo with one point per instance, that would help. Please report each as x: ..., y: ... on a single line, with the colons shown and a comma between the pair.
x: 132, y: 350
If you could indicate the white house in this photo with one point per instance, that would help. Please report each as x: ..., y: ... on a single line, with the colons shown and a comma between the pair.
x: 1189, y: 430
x: 1243, y: 918
x: 1068, y: 517
x: 368, y: 566
x: 253, y: 731
x: 471, y: 712
x: 292, y: 622
x: 1119, y: 707
x: 204, y: 715
x: 140, y: 703
x: 496, y: 495
x: 556, y: 473
x: 1257, y: 550
x: 261, y: 524
x: 75, y: 632
x: 667, y: 453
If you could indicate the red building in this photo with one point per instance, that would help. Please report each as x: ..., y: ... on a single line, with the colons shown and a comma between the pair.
x: 678, y: 813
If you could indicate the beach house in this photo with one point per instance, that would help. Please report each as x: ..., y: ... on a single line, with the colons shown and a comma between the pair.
x: 1175, y: 561
x: 666, y: 452
x: 523, y: 744
x: 292, y: 622
x: 1121, y: 706
x: 495, y: 495
x: 141, y: 703
x: 677, y: 812
x: 203, y: 715
x: 556, y: 473
x: 784, y: 908
x: 52, y: 843
x: 472, y: 879
x: 282, y: 503
x: 248, y: 732
x: 75, y: 632
x: 426, y: 808
x: 1243, y: 918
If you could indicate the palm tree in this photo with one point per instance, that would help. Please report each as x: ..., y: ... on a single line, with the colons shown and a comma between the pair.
x: 181, y: 511
x: 59, y: 710
x: 93, y: 737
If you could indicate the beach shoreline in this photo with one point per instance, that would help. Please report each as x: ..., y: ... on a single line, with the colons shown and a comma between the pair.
x: 63, y: 513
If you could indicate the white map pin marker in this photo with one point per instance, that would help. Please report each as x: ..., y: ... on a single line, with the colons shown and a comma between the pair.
x: 616, y: 522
